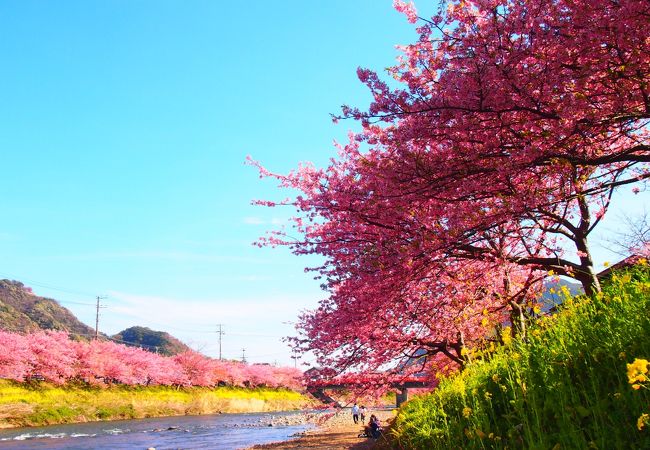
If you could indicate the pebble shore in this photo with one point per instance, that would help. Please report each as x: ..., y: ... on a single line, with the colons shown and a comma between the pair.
x: 334, y: 430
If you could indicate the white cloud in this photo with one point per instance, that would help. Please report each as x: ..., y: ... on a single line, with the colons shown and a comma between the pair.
x: 256, y: 324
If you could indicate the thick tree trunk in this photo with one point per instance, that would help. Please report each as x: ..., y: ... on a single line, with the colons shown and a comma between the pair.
x: 587, y: 275
x: 518, y: 320
x: 452, y: 350
x: 460, y: 350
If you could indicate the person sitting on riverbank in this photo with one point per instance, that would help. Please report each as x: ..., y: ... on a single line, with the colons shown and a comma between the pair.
x: 373, y: 429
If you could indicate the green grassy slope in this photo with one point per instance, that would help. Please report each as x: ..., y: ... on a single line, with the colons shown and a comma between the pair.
x: 567, y: 388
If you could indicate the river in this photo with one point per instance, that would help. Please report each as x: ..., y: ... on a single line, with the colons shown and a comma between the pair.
x: 222, y: 431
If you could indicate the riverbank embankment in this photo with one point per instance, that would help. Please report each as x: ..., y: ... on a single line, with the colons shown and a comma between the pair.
x: 39, y: 404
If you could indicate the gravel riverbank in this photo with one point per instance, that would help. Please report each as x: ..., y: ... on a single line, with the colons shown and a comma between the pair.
x: 335, y: 430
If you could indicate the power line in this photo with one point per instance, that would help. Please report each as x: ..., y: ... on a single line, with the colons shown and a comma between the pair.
x: 256, y: 335
x: 112, y: 339
x: 47, y: 286
x: 98, y: 306
x: 171, y: 327
x: 74, y: 303
x: 133, y: 344
x: 268, y: 354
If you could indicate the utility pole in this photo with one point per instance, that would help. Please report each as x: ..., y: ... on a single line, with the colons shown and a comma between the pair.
x: 243, y: 355
x: 220, y: 333
x: 97, y: 316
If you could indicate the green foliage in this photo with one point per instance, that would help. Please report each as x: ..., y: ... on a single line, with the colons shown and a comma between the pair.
x: 61, y: 414
x: 566, y: 388
x: 108, y: 412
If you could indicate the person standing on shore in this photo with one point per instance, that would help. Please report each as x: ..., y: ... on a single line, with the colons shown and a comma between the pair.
x: 362, y: 414
x: 355, y: 413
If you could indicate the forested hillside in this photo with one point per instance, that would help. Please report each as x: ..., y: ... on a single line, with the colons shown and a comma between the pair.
x: 151, y: 340
x: 21, y: 311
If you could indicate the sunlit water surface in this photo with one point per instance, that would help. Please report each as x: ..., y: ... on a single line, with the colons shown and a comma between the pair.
x: 223, y: 431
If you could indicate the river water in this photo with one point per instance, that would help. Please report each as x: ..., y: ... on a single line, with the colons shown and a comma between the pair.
x: 222, y: 431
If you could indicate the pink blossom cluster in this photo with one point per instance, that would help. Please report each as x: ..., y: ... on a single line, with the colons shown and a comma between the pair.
x: 53, y: 357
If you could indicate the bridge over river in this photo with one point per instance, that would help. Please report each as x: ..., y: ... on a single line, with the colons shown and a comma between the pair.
x: 318, y: 390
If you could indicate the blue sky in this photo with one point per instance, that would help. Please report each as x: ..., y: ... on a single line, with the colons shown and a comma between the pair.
x: 124, y: 126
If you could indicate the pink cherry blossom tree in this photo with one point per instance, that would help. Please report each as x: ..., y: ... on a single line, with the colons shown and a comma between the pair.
x: 53, y: 357
x: 531, y: 112
x: 50, y: 356
x: 498, y: 143
x: 14, y: 356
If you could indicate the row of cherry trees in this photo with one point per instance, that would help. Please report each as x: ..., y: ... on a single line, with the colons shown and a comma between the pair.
x: 52, y: 356
x: 483, y: 165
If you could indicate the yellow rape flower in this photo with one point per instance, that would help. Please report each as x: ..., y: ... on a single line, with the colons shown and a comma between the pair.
x: 506, y: 336
x: 637, y: 372
x: 642, y: 421
x: 467, y: 411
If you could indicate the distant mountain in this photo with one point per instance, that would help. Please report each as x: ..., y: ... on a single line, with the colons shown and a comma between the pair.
x: 551, y: 296
x: 23, y: 312
x: 154, y: 341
